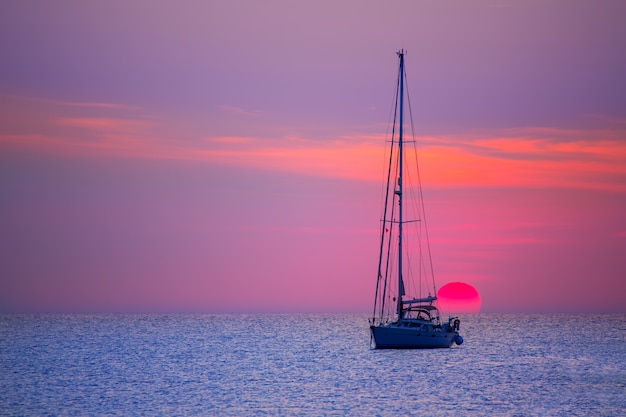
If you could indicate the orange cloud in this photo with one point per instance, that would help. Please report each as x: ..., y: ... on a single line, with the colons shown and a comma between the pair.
x: 497, y: 161
x: 589, y: 159
x: 525, y: 157
x: 308, y: 157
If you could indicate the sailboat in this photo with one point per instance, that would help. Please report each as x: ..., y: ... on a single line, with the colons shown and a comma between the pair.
x: 406, y: 315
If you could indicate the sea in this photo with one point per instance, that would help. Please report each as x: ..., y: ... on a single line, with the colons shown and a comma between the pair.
x: 307, y: 365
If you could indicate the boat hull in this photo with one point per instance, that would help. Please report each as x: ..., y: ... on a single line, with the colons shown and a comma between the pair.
x: 395, y: 337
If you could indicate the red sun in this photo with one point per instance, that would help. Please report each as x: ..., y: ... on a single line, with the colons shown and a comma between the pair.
x: 458, y: 297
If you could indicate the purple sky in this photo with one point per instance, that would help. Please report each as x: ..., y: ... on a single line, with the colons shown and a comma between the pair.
x: 227, y: 155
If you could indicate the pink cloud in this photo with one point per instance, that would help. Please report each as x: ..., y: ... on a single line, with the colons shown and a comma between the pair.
x: 105, y: 125
x: 239, y: 111
x: 48, y: 101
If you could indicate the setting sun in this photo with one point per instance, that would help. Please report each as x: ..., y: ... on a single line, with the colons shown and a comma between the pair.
x: 459, y: 297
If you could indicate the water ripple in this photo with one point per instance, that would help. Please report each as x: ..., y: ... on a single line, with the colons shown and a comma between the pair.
x: 285, y: 365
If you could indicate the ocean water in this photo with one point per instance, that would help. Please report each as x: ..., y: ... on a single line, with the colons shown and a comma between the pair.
x: 309, y: 365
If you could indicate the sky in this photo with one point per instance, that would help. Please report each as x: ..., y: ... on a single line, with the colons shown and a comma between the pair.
x: 228, y: 156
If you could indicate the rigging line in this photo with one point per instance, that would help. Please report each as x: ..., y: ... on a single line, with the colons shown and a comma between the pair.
x: 417, y: 231
x: 382, y: 238
x: 423, y: 215
x: 392, y: 122
x: 408, y: 99
x: 390, y: 249
x: 414, y: 230
x: 391, y: 158
x: 391, y: 252
x: 421, y: 197
x: 430, y: 260
x: 411, y: 189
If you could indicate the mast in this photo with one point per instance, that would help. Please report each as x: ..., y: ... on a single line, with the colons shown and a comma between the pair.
x: 399, y: 189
